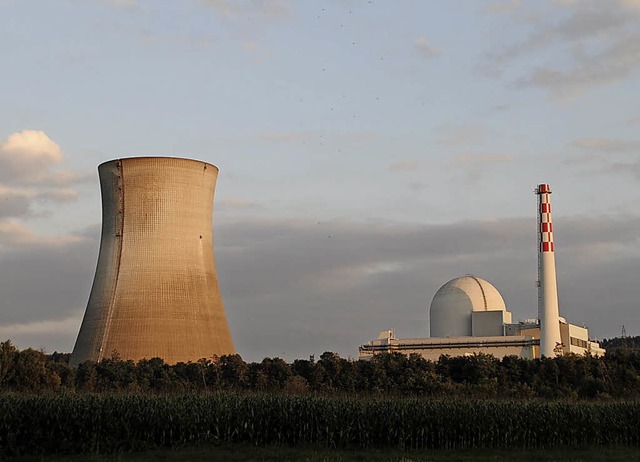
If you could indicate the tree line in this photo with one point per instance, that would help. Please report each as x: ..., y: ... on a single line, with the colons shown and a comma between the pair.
x: 614, y: 376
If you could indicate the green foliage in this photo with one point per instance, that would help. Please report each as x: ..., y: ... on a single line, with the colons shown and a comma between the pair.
x: 631, y: 343
x: 613, y: 377
x: 391, y: 401
x: 92, y: 423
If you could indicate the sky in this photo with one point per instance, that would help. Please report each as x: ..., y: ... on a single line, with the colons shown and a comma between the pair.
x: 369, y: 152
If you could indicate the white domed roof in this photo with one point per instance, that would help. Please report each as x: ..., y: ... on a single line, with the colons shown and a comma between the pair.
x: 450, y: 312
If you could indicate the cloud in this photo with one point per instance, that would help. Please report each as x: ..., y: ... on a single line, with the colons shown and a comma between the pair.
x: 616, y: 62
x: 129, y: 4
x: 599, y: 158
x: 404, y: 166
x: 285, y: 137
x: 587, y: 43
x: 633, y: 4
x: 626, y: 168
x: 475, y: 166
x: 351, y: 138
x: 256, y: 49
x: 68, y: 326
x: 16, y: 201
x: 426, y: 49
x: 43, y: 333
x: 224, y: 7
x: 44, y: 280
x: 236, y: 203
x: 29, y: 173
x: 16, y: 234
x: 484, y: 159
x: 455, y: 135
x: 246, y: 9
x: 29, y: 157
x: 29, y: 149
x: 607, y: 145
x: 61, y: 194
x: 503, y: 7
x: 13, y: 203
x: 358, y: 278
x: 295, y: 288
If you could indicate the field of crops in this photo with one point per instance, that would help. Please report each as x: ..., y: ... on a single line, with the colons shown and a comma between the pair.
x: 91, y: 423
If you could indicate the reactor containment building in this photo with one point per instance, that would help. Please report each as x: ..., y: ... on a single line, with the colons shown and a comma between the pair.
x: 155, y: 292
x: 469, y: 316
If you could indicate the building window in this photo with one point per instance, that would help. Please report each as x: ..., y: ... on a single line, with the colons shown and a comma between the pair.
x: 578, y: 342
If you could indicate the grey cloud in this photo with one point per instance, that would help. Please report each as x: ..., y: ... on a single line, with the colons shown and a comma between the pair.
x: 503, y: 7
x: 602, y: 161
x: 475, y: 165
x: 285, y: 137
x: 236, y: 203
x: 585, y: 21
x: 425, y: 48
x: 404, y: 166
x: 61, y: 178
x: 360, y: 278
x: 598, y: 39
x: 243, y: 9
x: 456, y: 135
x: 617, y: 62
x: 483, y: 159
x: 28, y: 173
x: 13, y: 205
x: 128, y: 4
x: 626, y: 168
x: 295, y: 288
x: 17, y: 202
x: 607, y: 145
x: 337, y: 284
x: 46, y: 280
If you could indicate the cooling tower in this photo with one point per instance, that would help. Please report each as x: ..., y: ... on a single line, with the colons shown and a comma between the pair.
x: 550, y: 340
x: 155, y: 291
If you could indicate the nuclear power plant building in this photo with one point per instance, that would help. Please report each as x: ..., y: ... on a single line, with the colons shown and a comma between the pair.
x: 155, y: 292
x: 469, y: 316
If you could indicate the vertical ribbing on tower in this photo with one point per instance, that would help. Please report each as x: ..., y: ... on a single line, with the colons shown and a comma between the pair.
x: 155, y: 291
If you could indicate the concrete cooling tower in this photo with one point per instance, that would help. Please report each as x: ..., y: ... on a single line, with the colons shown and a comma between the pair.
x: 155, y: 291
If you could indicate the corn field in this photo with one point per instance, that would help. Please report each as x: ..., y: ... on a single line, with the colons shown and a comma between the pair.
x: 92, y: 423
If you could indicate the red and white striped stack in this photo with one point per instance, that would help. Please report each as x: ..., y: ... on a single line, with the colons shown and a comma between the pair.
x: 550, y: 340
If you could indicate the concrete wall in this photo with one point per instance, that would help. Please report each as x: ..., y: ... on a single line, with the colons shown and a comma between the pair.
x: 155, y: 292
x: 578, y: 339
x: 432, y: 349
x: 489, y: 323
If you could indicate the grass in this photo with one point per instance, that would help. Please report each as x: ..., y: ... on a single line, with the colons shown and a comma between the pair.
x: 234, y: 453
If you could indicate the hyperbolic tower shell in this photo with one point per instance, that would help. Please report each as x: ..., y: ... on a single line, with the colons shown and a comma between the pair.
x: 155, y: 291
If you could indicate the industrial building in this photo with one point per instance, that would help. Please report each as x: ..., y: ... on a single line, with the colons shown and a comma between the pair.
x: 155, y: 292
x: 469, y: 316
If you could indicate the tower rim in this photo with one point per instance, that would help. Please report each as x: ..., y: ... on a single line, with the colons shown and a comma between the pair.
x: 142, y: 158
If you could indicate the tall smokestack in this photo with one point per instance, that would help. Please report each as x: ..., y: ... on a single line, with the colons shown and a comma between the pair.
x: 548, y: 288
x: 155, y: 291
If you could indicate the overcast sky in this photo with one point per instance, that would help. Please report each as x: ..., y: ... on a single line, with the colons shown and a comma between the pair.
x: 369, y: 151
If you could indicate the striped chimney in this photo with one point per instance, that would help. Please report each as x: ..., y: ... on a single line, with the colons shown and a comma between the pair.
x: 550, y: 340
